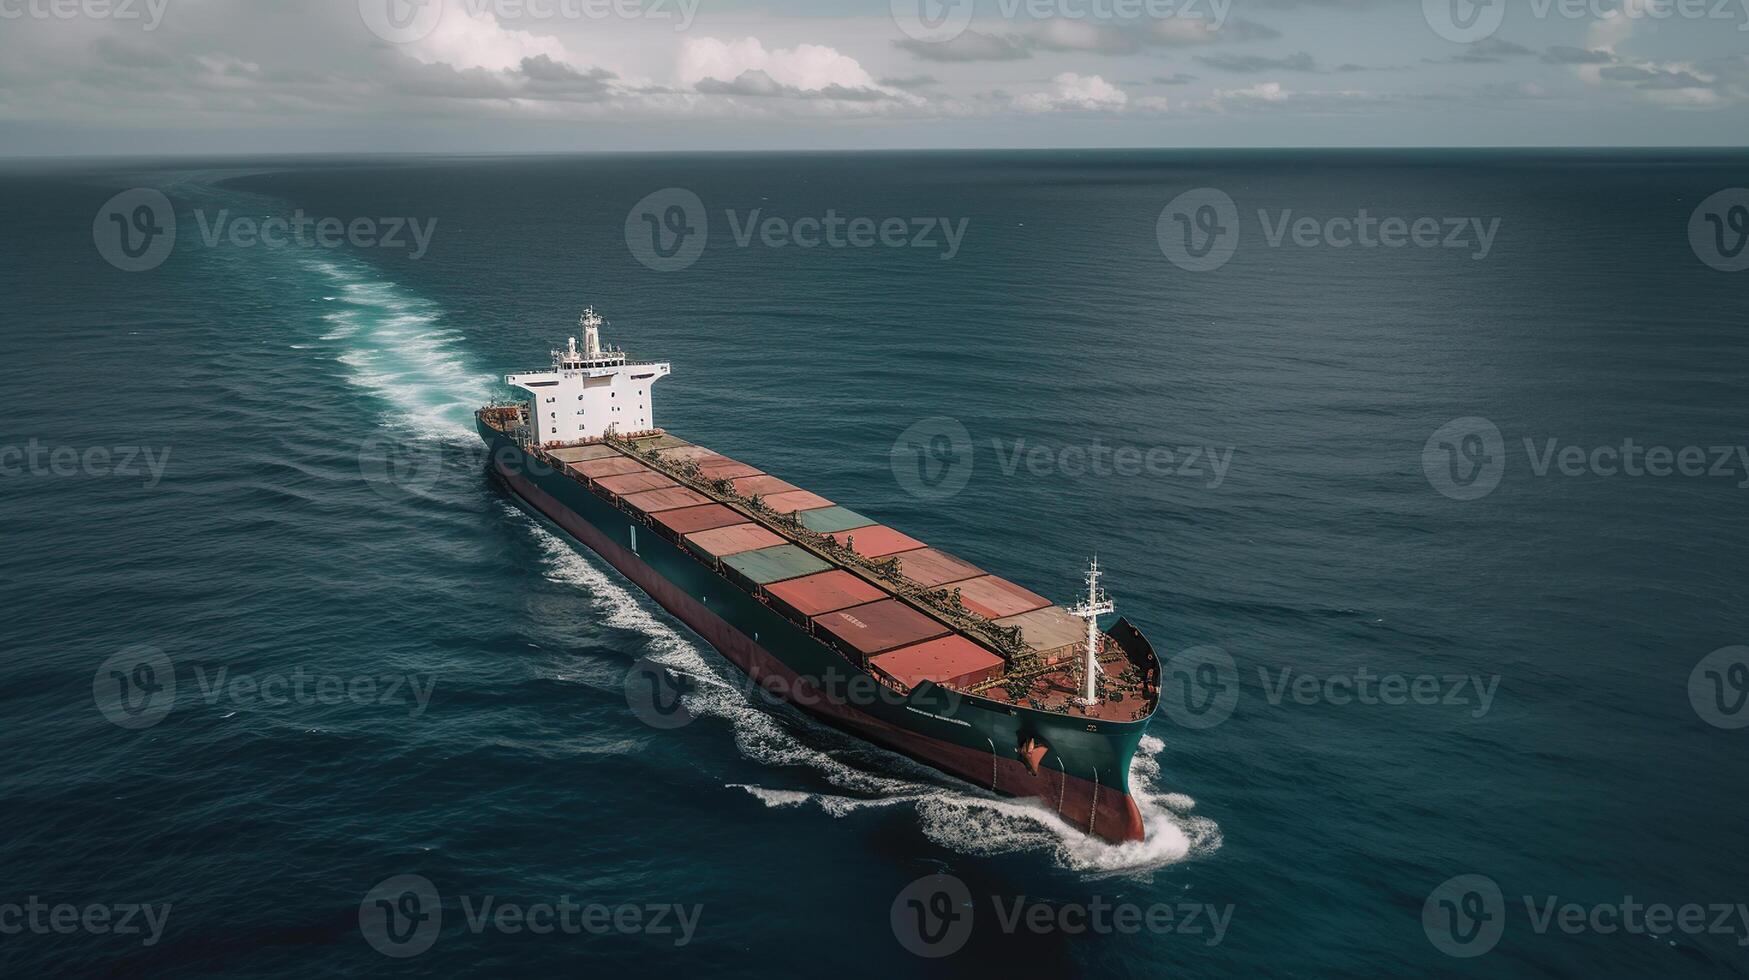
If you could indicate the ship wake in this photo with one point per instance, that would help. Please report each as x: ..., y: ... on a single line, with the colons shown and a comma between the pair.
x: 396, y: 347
x: 951, y: 814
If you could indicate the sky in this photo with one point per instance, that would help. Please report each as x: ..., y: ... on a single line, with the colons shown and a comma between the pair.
x: 149, y: 77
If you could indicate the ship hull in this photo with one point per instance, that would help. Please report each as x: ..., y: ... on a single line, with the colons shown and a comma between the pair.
x: 1083, y: 777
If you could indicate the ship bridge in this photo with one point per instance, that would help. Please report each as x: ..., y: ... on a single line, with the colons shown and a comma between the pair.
x: 590, y: 391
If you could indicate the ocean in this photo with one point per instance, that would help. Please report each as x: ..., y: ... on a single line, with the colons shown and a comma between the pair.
x: 1381, y: 486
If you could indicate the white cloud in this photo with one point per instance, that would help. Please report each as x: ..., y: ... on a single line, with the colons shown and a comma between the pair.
x: 808, y: 67
x: 1072, y: 91
x: 481, y: 42
x: 1261, y: 92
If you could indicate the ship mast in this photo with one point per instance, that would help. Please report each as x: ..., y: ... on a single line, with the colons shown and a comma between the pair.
x: 590, y: 321
x: 1095, y: 605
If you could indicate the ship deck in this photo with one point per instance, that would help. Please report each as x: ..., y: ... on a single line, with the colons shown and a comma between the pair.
x: 888, y: 602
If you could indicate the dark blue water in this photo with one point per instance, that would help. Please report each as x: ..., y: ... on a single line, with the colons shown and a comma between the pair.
x: 276, y: 543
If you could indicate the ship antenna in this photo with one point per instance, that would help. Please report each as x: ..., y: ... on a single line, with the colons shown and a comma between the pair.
x: 1096, y: 604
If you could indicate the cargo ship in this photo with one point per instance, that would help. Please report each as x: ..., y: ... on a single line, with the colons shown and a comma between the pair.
x: 856, y: 623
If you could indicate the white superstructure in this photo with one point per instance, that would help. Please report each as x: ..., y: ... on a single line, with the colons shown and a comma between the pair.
x: 589, y: 391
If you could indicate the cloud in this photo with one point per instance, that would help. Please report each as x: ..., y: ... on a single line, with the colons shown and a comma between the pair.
x: 805, y: 67
x: 1490, y: 50
x: 1562, y: 54
x: 755, y: 83
x: 1254, y: 96
x: 1181, y: 31
x: 464, y: 42
x: 1072, y: 91
x: 1254, y: 63
x: 970, y: 46
x: 909, y: 82
x: 1177, y: 78
x: 1676, y: 84
x: 1061, y: 34
x: 1075, y: 35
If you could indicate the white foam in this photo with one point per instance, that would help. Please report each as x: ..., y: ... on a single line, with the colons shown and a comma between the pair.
x: 949, y: 814
x: 397, y: 350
